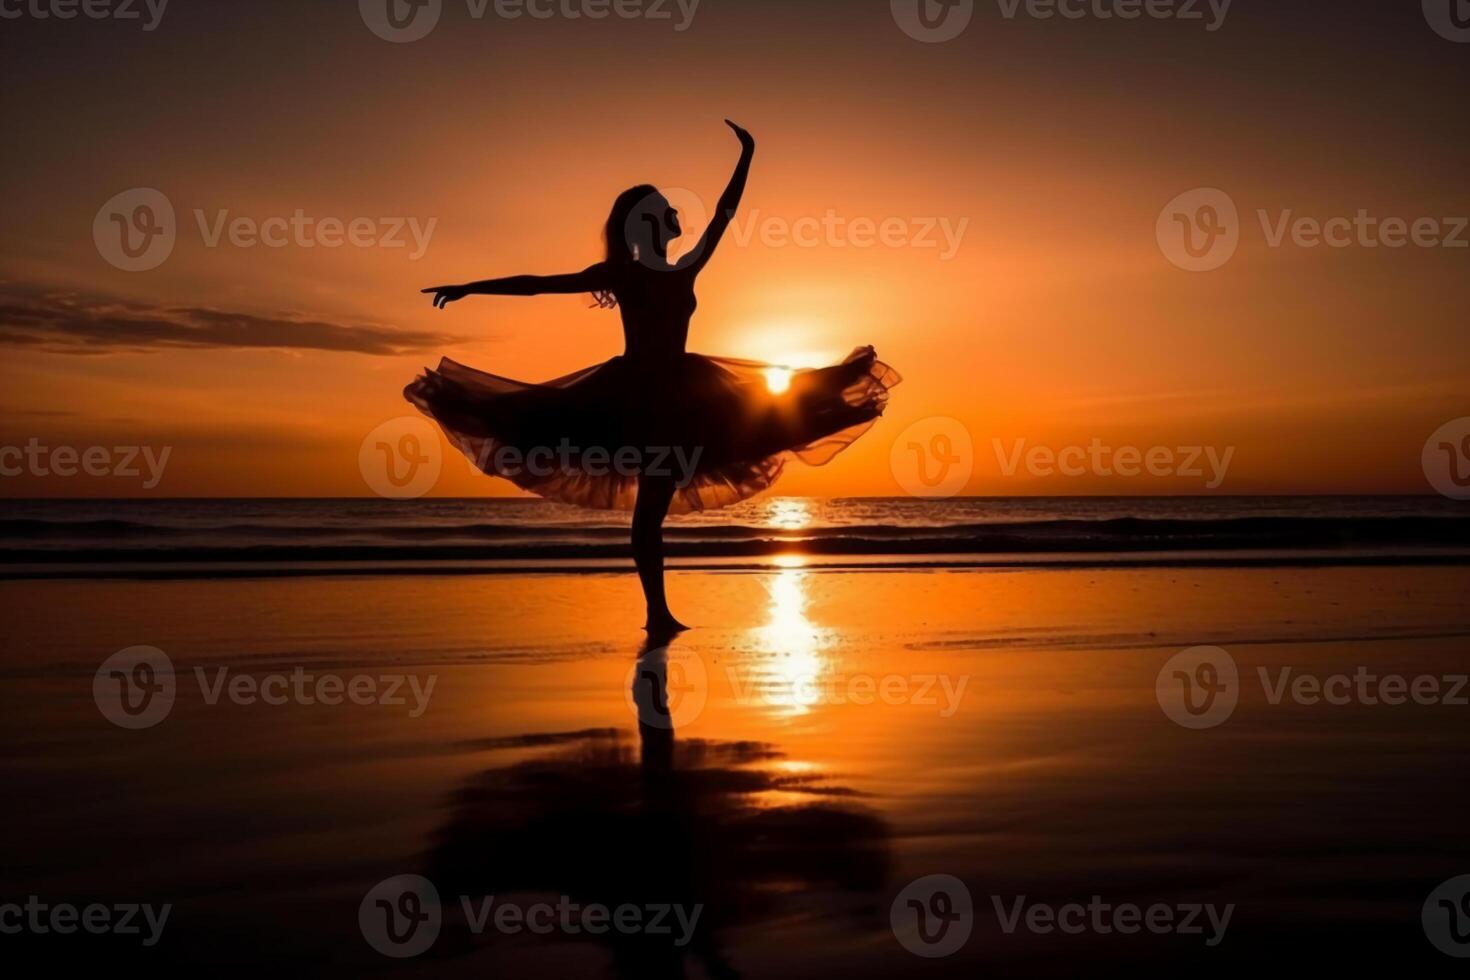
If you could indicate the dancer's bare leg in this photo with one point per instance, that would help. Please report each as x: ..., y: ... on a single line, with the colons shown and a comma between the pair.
x: 649, y: 511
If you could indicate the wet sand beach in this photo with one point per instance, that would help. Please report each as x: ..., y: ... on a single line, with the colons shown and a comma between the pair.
x: 821, y: 741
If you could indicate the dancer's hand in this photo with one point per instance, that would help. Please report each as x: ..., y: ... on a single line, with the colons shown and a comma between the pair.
x: 747, y: 141
x: 444, y: 295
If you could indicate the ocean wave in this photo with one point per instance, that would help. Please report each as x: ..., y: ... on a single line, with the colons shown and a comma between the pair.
x: 31, y: 541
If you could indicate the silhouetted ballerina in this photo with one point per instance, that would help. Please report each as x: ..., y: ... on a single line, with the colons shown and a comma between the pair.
x: 656, y: 430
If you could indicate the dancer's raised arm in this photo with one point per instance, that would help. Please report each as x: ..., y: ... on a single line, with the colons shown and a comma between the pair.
x: 728, y: 204
x: 590, y: 280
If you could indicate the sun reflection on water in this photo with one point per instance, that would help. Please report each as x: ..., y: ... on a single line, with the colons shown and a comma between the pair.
x: 789, y: 513
x: 789, y: 677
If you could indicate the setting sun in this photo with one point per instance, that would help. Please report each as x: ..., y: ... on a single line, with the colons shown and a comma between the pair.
x: 778, y: 379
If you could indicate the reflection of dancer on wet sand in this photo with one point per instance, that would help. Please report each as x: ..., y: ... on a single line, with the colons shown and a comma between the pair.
x: 614, y: 426
x: 722, y: 831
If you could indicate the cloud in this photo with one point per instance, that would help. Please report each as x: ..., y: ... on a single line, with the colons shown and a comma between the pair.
x: 62, y: 321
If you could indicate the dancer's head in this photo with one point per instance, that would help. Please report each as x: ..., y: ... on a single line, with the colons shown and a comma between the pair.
x: 640, y: 226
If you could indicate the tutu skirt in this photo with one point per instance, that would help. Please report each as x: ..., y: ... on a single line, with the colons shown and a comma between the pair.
x: 720, y: 429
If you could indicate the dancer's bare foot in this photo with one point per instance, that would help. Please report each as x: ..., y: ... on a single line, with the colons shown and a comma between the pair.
x: 663, y: 623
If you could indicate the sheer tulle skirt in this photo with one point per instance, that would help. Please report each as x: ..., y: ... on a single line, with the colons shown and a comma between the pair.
x: 712, y: 425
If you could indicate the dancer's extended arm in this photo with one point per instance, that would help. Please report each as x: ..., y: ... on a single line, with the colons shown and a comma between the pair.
x: 727, y: 206
x: 590, y: 280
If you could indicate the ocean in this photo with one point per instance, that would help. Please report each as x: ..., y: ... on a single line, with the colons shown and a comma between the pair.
x: 185, y: 537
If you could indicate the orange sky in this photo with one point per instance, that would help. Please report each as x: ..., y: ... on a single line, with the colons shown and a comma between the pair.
x: 1054, y: 144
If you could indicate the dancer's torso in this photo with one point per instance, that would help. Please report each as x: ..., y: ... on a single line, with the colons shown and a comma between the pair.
x: 656, y: 307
